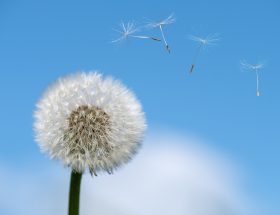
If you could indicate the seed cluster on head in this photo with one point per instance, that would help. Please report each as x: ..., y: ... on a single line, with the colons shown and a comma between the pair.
x: 88, y: 128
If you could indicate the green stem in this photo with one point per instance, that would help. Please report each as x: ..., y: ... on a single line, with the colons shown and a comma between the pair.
x: 74, y: 193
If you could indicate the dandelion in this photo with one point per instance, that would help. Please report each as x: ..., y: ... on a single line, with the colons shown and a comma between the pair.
x: 255, y: 68
x: 169, y: 20
x: 203, y: 42
x: 89, y: 123
x: 128, y: 30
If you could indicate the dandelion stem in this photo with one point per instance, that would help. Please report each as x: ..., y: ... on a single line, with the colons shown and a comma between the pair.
x: 74, y: 193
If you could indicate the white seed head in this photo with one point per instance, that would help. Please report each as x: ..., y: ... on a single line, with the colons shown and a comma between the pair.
x: 89, y: 122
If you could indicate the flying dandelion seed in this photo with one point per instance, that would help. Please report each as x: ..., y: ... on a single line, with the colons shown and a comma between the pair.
x: 203, y: 42
x: 169, y: 20
x: 256, y: 68
x: 128, y: 30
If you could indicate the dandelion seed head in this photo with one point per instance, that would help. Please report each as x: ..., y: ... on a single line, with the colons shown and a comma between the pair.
x: 89, y: 122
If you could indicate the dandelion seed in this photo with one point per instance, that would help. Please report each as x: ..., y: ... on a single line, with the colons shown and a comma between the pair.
x: 128, y: 30
x: 203, y: 42
x: 169, y: 20
x: 255, y: 68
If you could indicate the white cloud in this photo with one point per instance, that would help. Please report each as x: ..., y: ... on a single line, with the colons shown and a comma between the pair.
x: 170, y: 175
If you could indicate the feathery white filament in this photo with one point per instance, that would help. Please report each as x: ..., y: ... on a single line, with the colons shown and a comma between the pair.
x: 128, y: 30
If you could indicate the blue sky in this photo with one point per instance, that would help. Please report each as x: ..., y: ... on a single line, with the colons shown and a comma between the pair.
x: 42, y: 40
